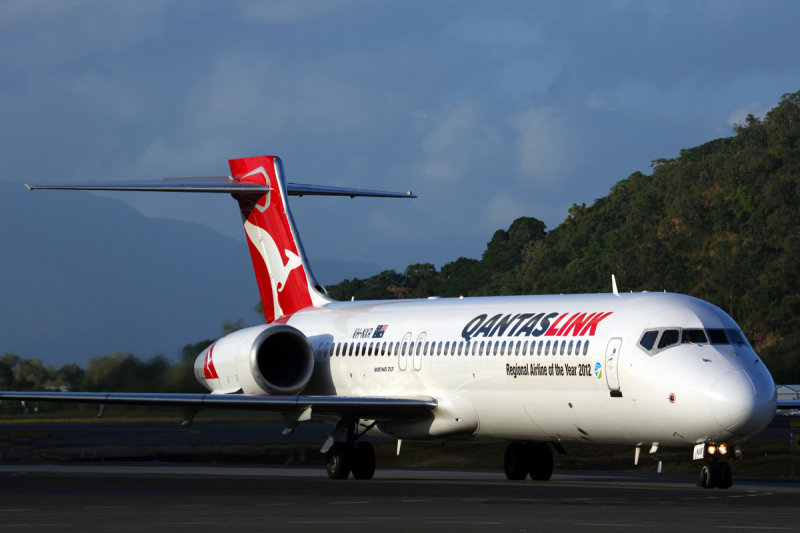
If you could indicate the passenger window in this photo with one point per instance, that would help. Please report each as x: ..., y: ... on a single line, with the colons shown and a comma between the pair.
x: 649, y: 339
x: 717, y: 336
x: 578, y: 348
x: 439, y: 349
x: 668, y: 338
x: 694, y: 336
x: 547, y: 348
x: 447, y: 347
x: 503, y: 348
x: 569, y: 349
x: 585, y: 347
x: 563, y: 344
x: 480, y: 350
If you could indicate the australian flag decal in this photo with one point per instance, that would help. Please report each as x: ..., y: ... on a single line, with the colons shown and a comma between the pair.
x: 379, y: 331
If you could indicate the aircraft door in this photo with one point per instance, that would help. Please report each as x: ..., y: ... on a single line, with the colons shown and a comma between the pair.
x: 418, y: 351
x: 402, y: 362
x: 612, y: 363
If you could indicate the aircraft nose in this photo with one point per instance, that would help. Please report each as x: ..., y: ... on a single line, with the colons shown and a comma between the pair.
x: 743, y: 404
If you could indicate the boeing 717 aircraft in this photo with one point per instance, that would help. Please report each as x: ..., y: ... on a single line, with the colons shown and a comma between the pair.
x: 642, y: 370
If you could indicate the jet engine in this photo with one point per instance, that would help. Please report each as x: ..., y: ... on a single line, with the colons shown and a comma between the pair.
x: 269, y: 359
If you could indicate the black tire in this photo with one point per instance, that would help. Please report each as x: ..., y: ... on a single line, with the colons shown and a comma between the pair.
x: 725, y: 476
x: 515, y: 462
x: 339, y: 461
x: 364, y: 461
x: 708, y: 476
x: 540, y: 461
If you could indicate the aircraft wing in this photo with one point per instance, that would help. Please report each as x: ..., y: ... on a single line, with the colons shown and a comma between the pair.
x: 216, y: 184
x: 366, y: 407
x: 788, y: 404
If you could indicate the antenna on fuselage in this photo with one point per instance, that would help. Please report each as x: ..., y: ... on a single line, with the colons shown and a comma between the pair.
x: 614, y: 285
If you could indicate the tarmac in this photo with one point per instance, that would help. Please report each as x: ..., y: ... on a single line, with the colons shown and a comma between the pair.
x: 165, y: 497
x: 41, y: 492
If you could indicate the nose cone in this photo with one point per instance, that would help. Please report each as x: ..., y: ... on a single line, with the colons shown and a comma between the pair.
x: 743, y: 403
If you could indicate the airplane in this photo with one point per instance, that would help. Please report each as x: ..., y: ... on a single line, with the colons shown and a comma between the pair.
x: 639, y: 369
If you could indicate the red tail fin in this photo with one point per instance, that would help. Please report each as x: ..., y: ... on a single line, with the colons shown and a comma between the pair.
x: 284, y: 279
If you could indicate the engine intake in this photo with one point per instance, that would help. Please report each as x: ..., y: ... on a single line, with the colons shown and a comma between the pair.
x: 271, y: 359
x: 282, y: 360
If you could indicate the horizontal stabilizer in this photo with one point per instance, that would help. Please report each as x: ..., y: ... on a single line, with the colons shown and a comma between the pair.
x: 366, y: 407
x: 216, y: 184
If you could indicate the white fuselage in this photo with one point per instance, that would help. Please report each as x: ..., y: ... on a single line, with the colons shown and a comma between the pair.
x: 541, y: 370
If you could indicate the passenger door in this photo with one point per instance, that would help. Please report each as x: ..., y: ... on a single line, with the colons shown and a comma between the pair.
x: 612, y: 364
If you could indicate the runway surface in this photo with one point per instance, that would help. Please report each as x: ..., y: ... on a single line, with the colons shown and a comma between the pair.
x: 95, y: 497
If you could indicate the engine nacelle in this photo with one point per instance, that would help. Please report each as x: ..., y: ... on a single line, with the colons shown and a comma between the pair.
x: 270, y: 359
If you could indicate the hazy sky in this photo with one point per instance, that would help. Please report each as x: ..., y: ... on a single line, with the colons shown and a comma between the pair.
x: 487, y: 110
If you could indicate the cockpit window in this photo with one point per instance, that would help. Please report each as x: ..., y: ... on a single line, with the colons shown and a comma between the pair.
x: 717, y: 336
x: 649, y: 339
x: 668, y: 338
x: 654, y: 341
x: 735, y: 336
x: 694, y: 336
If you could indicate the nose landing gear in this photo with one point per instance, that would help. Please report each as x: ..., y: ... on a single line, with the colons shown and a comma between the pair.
x: 715, y: 473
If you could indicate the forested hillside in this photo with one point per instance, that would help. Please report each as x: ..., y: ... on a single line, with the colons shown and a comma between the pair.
x: 720, y: 222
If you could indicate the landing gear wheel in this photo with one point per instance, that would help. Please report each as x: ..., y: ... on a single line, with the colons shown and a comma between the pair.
x: 715, y: 475
x: 540, y: 461
x: 339, y: 461
x: 364, y: 461
x: 516, y: 461
x: 725, y: 477
x: 706, y: 478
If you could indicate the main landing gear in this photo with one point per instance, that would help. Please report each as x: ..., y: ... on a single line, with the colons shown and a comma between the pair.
x: 528, y: 458
x: 351, y: 456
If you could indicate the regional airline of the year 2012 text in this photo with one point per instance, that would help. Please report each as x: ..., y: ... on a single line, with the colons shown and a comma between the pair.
x: 639, y: 369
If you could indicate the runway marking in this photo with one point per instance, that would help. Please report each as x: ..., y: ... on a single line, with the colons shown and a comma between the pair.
x: 604, y: 524
x: 776, y: 528
x: 274, y: 504
x: 104, y: 507
x: 36, y: 525
x: 188, y: 505
x: 467, y: 523
x: 323, y: 522
x: 349, y: 502
x: 414, y: 501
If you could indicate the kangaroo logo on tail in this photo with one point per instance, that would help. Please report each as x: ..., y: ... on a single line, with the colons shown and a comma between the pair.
x: 282, y: 272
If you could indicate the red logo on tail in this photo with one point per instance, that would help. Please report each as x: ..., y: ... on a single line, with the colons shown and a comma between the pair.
x: 277, y: 261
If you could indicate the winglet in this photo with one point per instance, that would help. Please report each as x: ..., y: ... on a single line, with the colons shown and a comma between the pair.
x: 614, y: 285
